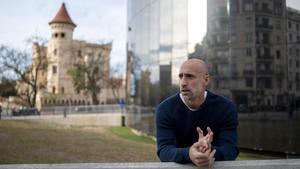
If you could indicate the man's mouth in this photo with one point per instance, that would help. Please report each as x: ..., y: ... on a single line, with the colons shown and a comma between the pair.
x: 185, y: 91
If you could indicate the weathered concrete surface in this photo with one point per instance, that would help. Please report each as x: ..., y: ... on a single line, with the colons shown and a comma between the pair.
x: 257, y: 164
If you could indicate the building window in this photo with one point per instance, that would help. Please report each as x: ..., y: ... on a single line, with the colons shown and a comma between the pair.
x: 79, y: 53
x: 55, y: 52
x: 62, y: 90
x: 265, y: 7
x: 56, y: 35
x: 248, y: 6
x: 248, y: 82
x: 290, y: 86
x: 248, y: 21
x: 91, y: 54
x: 278, y: 8
x: 278, y: 40
x: 290, y: 25
x: 233, y: 6
x: 54, y: 69
x: 278, y: 24
x: 53, y: 90
x: 248, y: 52
x: 248, y: 37
x: 62, y: 35
x: 290, y: 37
x: 278, y: 54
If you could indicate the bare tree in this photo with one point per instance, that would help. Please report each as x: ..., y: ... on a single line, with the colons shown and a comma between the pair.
x: 115, y: 82
x: 90, y: 74
x: 19, y: 64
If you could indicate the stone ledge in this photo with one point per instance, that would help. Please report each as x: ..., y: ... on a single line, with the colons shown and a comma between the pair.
x: 251, y: 164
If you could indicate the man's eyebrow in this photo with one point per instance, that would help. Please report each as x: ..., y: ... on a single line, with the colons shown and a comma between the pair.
x: 186, y: 74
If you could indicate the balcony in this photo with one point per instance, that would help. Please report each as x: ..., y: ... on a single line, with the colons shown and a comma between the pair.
x: 265, y: 11
x: 248, y: 73
x: 263, y: 42
x: 265, y: 57
x: 264, y: 27
x: 253, y: 164
x: 264, y: 73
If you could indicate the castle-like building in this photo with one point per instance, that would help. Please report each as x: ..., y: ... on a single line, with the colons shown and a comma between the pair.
x: 55, y: 84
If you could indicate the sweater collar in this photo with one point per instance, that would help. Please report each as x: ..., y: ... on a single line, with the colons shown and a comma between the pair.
x: 181, y: 97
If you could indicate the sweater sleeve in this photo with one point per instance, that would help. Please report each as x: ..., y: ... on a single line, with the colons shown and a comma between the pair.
x: 226, y: 144
x: 166, y: 145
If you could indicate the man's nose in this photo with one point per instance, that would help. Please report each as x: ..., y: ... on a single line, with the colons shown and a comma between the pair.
x: 183, y: 81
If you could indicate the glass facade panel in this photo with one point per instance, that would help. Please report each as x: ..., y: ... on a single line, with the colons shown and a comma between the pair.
x: 250, y: 47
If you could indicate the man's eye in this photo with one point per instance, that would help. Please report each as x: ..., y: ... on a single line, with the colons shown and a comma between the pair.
x: 189, y: 76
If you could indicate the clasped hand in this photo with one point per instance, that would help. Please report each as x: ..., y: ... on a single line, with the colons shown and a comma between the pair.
x: 201, y: 152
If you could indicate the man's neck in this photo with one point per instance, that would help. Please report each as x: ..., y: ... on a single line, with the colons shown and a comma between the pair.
x: 196, y: 104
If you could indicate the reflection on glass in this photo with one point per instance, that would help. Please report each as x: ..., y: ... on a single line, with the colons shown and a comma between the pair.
x: 252, y: 50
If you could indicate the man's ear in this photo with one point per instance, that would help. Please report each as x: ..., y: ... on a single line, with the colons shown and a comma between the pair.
x: 207, y: 79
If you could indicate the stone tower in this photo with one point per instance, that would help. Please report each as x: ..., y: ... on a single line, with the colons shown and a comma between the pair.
x: 59, y: 53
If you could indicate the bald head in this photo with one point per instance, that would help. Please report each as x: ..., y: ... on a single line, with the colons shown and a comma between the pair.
x: 193, y: 80
x: 197, y: 65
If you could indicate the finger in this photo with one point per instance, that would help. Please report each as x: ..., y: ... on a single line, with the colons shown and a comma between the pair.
x: 196, y: 145
x: 211, y: 162
x: 212, y: 154
x: 210, y: 134
x: 204, y: 156
x: 202, y: 163
x: 200, y: 132
x: 211, y: 158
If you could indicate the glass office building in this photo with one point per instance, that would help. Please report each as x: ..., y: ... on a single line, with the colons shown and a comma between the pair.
x: 251, y: 47
x: 158, y: 42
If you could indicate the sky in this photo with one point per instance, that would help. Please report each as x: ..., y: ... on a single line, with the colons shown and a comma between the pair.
x: 97, y: 21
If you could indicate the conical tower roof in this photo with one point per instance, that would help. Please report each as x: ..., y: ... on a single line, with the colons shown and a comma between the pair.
x: 62, y: 16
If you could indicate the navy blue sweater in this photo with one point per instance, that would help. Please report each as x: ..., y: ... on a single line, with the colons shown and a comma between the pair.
x: 176, y: 128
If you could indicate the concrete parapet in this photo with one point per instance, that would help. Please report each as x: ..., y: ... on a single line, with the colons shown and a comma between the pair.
x: 253, y: 164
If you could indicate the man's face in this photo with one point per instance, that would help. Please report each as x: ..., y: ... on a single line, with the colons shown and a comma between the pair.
x: 193, y: 81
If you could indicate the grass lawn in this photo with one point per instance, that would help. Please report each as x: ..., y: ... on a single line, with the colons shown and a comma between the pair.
x: 36, y: 142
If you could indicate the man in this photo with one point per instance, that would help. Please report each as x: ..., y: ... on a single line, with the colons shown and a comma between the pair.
x: 178, y: 117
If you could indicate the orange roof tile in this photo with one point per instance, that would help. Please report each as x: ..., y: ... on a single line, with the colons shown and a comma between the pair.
x: 62, y: 16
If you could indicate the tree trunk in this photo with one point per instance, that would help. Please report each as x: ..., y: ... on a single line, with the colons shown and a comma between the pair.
x: 95, y: 99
